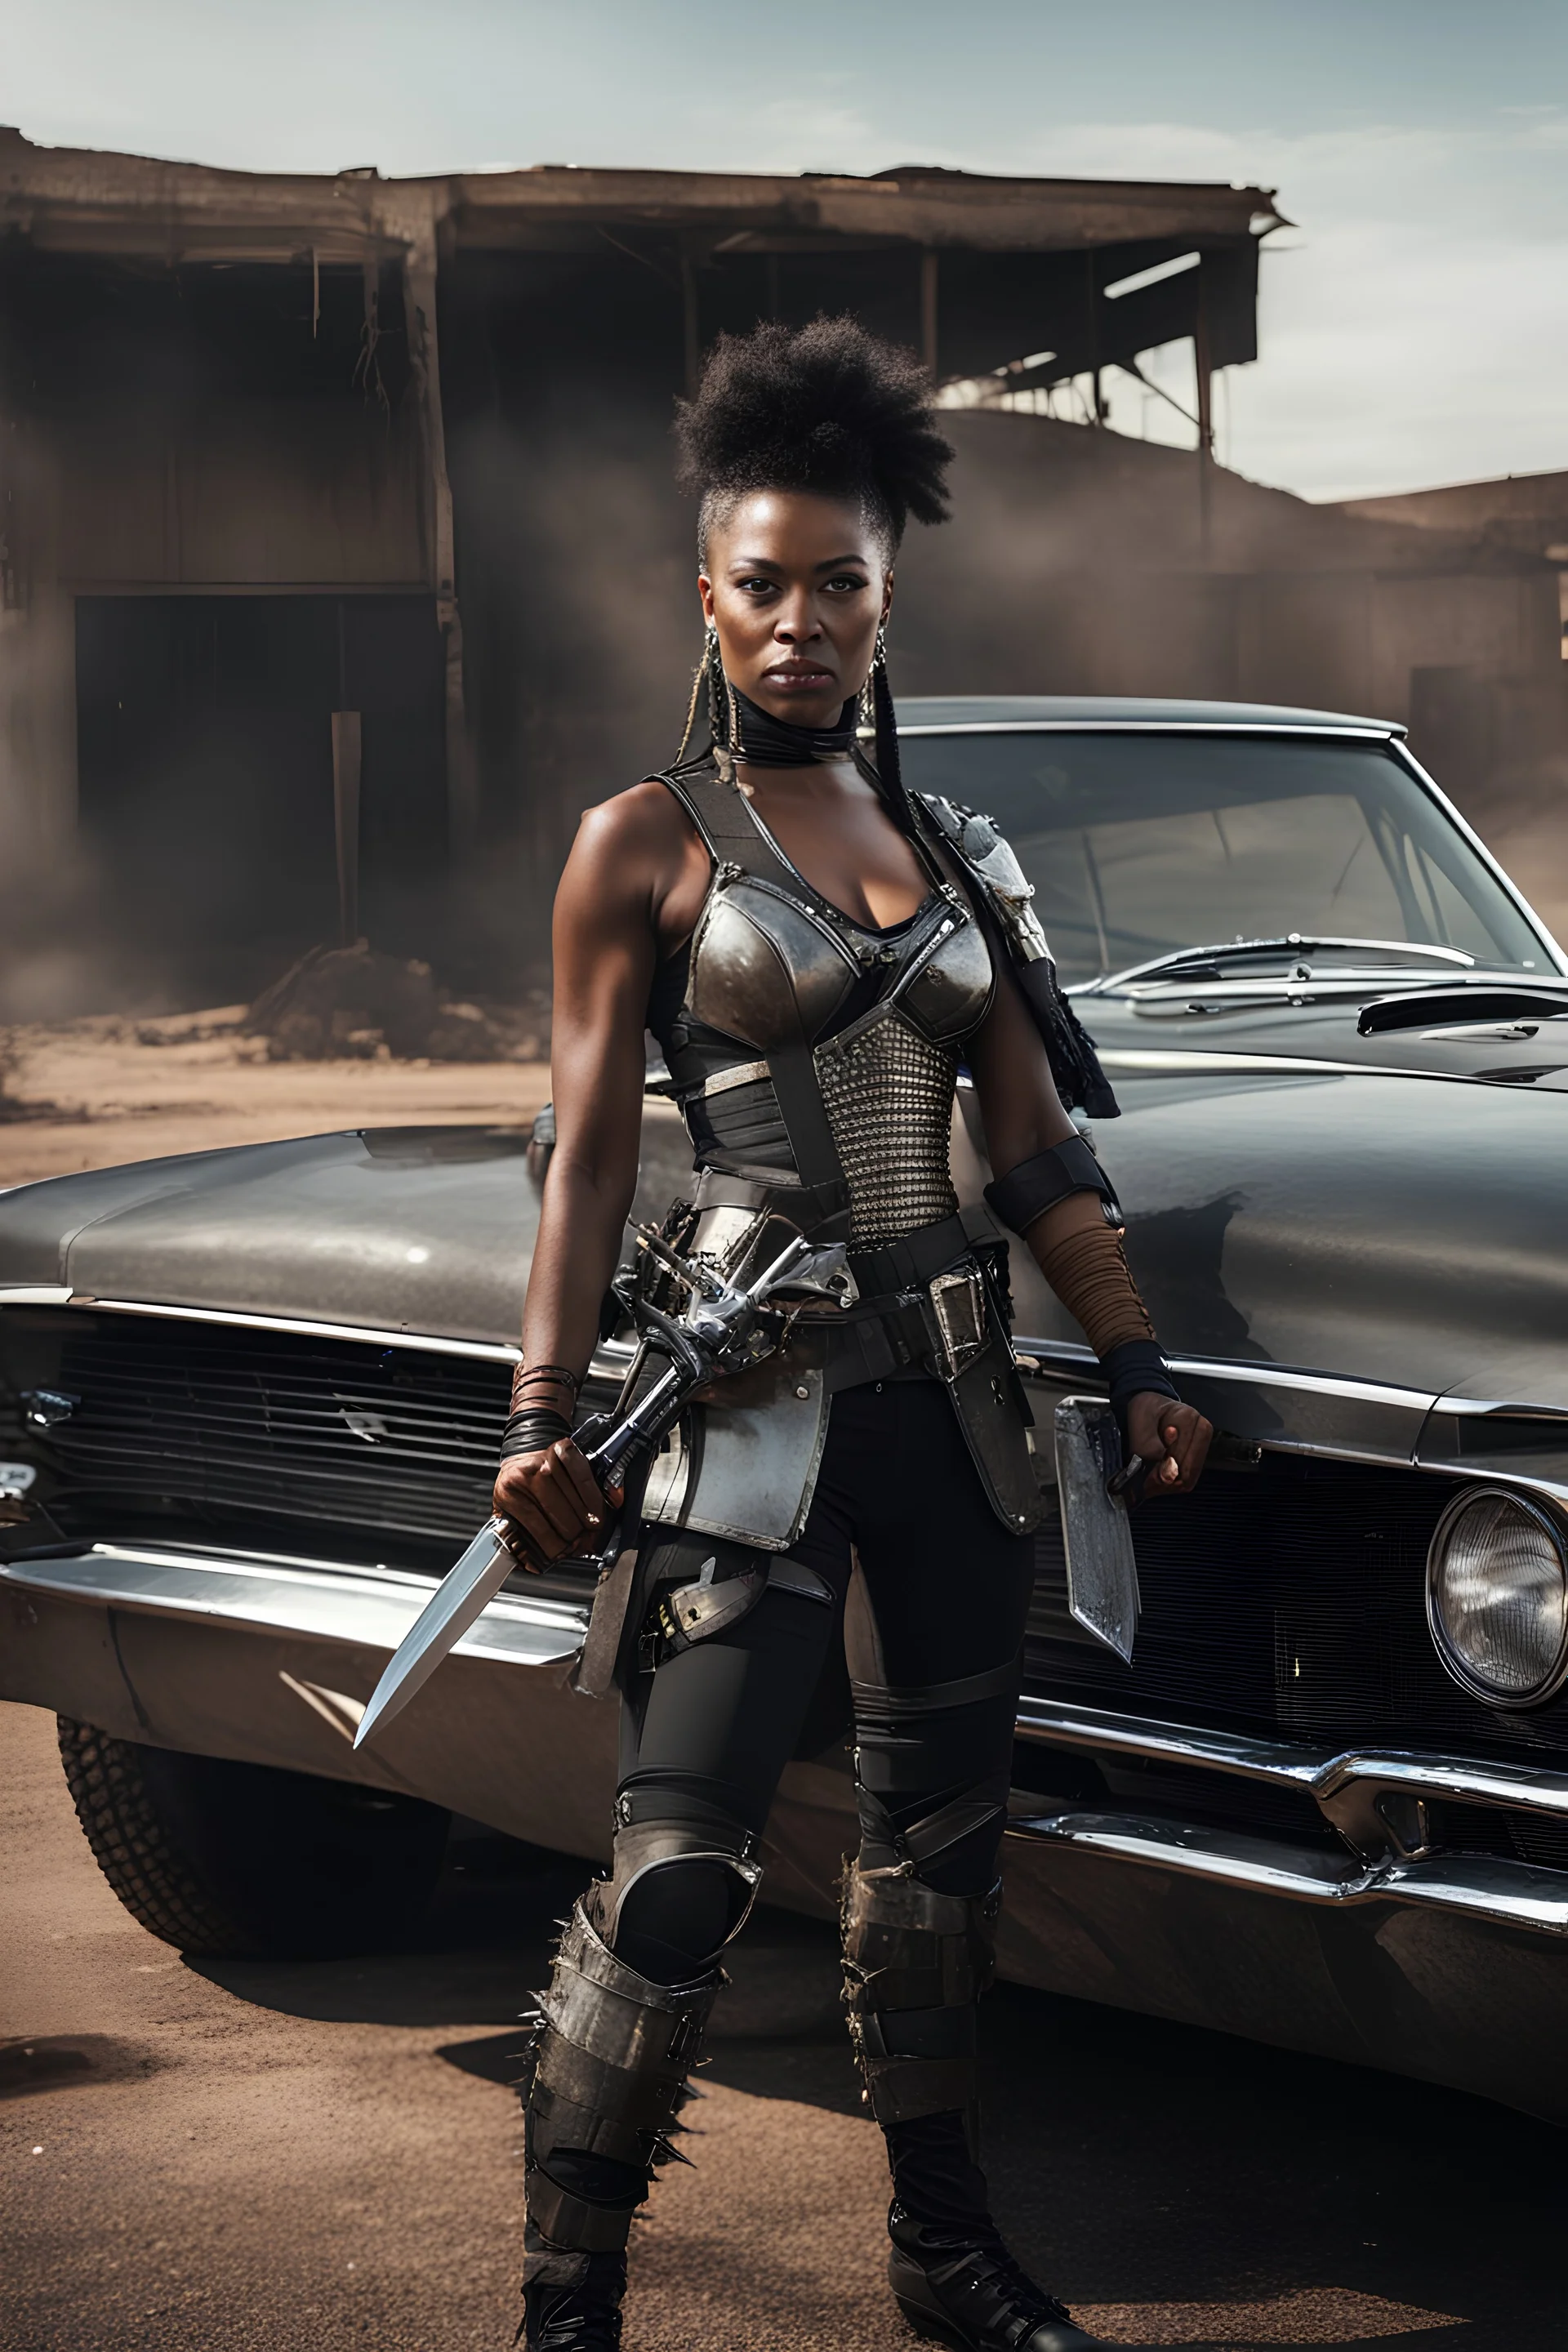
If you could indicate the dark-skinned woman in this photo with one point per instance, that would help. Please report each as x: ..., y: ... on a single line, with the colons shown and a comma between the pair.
x: 816, y: 953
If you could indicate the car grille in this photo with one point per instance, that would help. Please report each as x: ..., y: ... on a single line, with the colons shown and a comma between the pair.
x: 1289, y: 1602
x: 180, y: 1419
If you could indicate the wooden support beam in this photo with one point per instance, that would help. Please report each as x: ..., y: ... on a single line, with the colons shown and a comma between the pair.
x: 1205, y: 368
x: 424, y: 353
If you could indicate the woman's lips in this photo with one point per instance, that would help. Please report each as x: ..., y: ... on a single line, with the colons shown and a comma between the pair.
x: 792, y: 681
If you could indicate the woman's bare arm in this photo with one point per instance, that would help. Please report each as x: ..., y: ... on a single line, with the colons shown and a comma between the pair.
x: 631, y: 859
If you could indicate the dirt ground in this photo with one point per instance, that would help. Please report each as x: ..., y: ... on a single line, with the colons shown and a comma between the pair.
x: 324, y: 2157
x: 98, y: 1091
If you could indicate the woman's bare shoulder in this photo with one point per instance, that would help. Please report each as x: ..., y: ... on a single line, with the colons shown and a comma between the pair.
x: 646, y: 816
x: 638, y: 853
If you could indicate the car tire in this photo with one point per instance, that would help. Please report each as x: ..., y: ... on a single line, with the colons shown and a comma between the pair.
x: 230, y: 1861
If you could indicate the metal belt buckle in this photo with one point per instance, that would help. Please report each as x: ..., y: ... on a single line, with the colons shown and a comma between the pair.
x: 958, y: 1302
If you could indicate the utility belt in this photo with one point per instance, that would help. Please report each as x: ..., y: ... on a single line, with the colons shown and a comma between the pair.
x: 924, y: 1306
x: 730, y: 1492
x: 931, y: 1304
x: 949, y: 1319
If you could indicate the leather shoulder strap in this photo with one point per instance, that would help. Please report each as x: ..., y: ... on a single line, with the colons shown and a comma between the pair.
x: 729, y: 832
x: 733, y: 838
x: 987, y: 862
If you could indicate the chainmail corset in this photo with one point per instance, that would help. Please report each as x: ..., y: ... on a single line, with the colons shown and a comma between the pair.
x: 888, y: 1091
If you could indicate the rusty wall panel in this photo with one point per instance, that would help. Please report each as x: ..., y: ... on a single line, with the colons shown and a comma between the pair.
x: 249, y: 493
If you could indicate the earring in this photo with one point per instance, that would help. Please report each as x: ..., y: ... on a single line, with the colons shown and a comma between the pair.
x: 867, y: 709
x: 709, y: 672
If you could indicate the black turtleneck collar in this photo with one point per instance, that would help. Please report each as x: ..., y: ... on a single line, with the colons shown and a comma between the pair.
x: 769, y: 742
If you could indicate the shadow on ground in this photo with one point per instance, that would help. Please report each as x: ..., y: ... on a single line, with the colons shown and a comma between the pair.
x: 1135, y: 2164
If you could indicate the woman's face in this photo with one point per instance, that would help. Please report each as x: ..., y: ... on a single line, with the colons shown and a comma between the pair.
x: 797, y: 586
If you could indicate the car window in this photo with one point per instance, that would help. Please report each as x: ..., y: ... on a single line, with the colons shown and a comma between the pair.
x: 1140, y: 843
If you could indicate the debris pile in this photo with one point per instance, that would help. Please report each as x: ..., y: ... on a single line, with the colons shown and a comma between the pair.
x: 14, y: 1105
x: 360, y: 1002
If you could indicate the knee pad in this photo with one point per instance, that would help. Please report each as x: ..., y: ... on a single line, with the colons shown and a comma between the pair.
x: 678, y: 1892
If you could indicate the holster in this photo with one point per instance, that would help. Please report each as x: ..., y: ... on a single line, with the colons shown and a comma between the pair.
x: 972, y: 1355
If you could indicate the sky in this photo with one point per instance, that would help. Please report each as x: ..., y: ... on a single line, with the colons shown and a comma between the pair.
x: 1413, y: 318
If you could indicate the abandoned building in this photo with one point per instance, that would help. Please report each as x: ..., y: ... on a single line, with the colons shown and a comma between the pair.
x: 341, y: 564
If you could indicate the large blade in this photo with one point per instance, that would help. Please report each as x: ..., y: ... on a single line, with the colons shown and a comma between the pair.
x: 1101, y: 1567
x: 464, y: 1593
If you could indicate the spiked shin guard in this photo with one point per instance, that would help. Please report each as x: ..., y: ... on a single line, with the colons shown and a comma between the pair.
x: 610, y: 2080
x: 915, y: 1964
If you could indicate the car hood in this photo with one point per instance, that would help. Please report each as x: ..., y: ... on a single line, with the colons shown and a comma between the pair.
x: 1447, y: 1027
x: 420, y: 1229
x: 1388, y: 1228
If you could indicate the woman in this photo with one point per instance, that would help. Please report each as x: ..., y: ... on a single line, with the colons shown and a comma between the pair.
x: 815, y: 952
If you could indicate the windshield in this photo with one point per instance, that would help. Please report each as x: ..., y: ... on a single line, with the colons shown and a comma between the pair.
x: 1138, y: 844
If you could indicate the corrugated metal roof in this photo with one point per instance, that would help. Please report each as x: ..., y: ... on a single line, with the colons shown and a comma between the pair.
x: 84, y: 200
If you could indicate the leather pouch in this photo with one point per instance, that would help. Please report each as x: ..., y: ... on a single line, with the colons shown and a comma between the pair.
x: 972, y: 1356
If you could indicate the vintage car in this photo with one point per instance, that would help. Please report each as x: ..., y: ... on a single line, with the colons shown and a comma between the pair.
x: 249, y: 1403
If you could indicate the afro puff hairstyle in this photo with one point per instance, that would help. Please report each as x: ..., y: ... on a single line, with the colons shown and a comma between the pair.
x: 825, y: 407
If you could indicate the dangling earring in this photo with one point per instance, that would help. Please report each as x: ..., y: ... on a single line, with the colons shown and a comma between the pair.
x: 888, y: 772
x: 698, y: 676
x: 708, y: 674
x: 723, y: 717
x: 866, y: 706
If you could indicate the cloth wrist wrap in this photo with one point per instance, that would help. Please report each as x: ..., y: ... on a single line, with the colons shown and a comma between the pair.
x: 530, y: 1429
x: 1089, y: 1272
x: 1136, y: 1367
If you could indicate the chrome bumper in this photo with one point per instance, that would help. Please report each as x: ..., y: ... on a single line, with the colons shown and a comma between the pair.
x: 320, y: 1600
x: 1375, y: 1800
x: 318, y: 1610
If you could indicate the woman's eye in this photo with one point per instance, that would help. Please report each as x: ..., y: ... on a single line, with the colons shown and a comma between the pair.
x: 757, y: 586
x: 848, y: 583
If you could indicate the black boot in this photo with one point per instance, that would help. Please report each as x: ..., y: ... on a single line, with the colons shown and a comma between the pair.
x: 965, y: 2288
x: 571, y: 2303
x: 915, y: 1964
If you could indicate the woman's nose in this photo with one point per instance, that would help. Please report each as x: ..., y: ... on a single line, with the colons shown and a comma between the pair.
x: 795, y: 623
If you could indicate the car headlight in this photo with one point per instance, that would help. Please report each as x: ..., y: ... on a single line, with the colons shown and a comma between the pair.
x: 1497, y: 1597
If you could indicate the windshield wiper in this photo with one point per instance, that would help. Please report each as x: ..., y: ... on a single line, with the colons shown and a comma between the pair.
x: 1207, y: 959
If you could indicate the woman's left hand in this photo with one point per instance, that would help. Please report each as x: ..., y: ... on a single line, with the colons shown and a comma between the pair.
x: 1173, y: 1439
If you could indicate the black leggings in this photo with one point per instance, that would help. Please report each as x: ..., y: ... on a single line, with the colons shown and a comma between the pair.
x: 940, y: 1599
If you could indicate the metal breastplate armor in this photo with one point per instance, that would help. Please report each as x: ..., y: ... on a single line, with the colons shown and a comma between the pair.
x: 815, y: 1061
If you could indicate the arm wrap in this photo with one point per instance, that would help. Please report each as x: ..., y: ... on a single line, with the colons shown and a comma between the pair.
x: 1027, y: 1190
x: 532, y: 1429
x: 1089, y: 1272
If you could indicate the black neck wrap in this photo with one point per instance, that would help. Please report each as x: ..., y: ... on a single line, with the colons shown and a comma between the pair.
x: 769, y: 742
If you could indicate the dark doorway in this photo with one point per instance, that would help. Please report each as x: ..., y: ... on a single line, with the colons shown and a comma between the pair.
x: 204, y: 755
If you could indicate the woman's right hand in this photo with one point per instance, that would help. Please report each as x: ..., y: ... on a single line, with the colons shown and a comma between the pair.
x: 552, y: 1504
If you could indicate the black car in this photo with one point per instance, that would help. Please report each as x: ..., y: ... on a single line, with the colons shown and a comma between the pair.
x: 251, y: 1399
